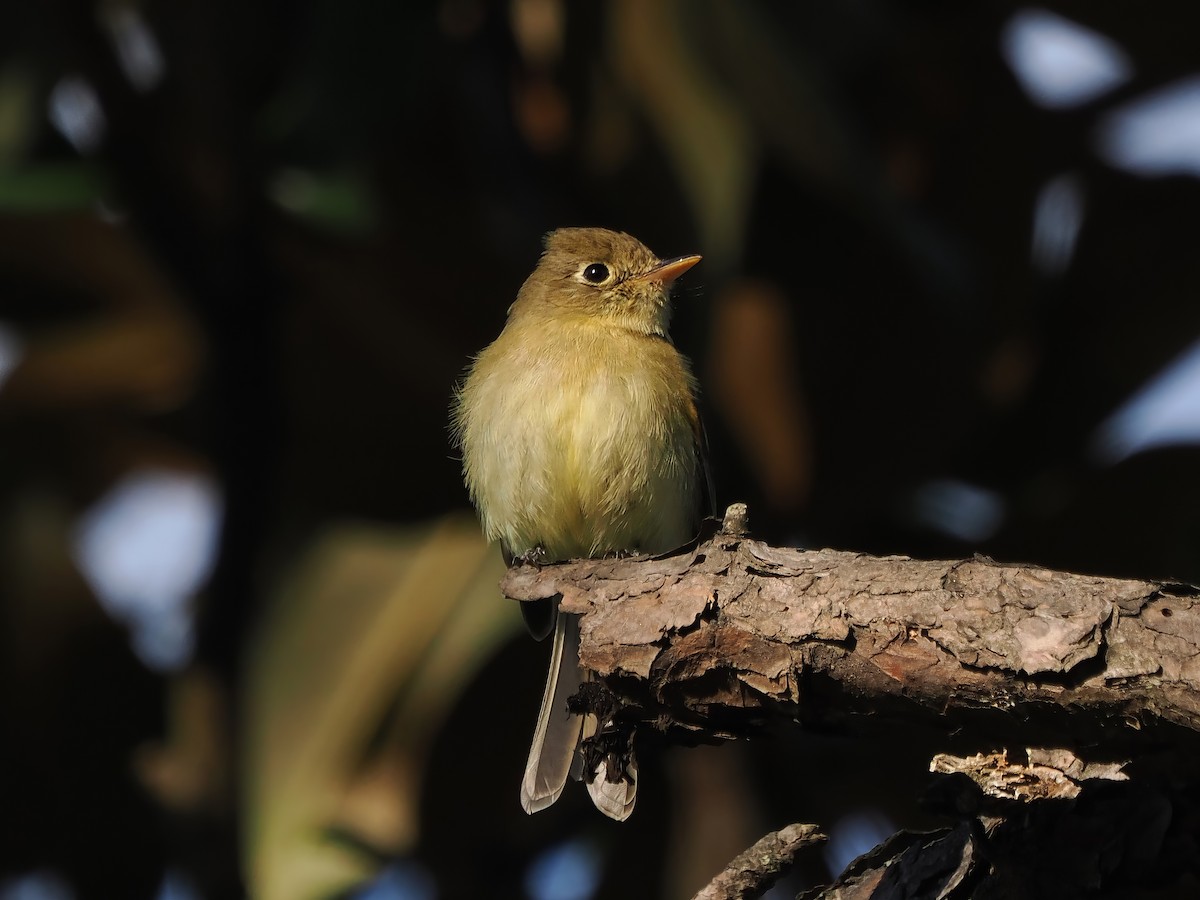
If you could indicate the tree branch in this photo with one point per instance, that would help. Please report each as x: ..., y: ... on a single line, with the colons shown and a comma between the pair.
x: 753, y: 872
x: 1057, y: 680
x: 716, y: 638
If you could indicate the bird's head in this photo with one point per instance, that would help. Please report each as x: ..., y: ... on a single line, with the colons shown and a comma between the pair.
x: 605, y: 274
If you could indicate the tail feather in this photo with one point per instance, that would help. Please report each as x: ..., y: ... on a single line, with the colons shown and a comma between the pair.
x: 554, y: 755
x: 557, y: 733
x: 614, y: 798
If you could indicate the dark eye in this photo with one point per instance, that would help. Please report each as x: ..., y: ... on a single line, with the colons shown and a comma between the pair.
x: 596, y: 273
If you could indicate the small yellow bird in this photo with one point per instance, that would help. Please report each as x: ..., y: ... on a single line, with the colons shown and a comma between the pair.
x: 580, y: 438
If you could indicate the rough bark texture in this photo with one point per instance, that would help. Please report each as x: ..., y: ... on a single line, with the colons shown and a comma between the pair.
x: 715, y: 638
x: 1079, y: 695
x: 751, y: 873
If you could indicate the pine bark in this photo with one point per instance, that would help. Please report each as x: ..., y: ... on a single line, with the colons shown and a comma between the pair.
x: 1076, y: 687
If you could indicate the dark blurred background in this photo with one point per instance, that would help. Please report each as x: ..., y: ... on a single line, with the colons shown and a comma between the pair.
x: 253, y: 646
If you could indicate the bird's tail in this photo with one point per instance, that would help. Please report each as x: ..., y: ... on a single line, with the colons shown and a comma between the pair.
x: 558, y: 732
x: 613, y: 798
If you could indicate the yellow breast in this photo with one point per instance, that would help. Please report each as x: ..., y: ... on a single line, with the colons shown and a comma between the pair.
x: 580, y: 438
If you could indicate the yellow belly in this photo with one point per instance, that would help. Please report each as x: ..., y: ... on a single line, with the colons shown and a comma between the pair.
x: 581, y: 442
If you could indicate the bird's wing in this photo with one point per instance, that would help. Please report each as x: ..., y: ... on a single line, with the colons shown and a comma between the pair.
x: 708, y: 492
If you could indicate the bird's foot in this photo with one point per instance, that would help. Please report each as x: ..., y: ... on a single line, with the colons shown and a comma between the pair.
x: 535, y: 556
x: 622, y: 554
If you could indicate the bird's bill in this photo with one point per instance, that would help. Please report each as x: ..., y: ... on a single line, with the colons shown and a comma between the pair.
x: 669, y: 269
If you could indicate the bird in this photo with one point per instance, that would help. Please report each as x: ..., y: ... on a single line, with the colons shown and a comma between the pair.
x: 580, y: 437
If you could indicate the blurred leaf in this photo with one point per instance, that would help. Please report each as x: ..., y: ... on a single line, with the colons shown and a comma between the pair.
x: 52, y: 187
x: 17, y: 120
x: 339, y: 202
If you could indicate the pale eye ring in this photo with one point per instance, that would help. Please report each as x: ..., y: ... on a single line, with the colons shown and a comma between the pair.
x: 595, y: 273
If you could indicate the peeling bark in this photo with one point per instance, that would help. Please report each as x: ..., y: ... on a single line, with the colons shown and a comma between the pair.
x: 718, y: 638
x: 1078, y: 695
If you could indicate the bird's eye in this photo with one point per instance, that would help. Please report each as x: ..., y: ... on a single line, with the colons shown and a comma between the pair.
x: 596, y: 273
